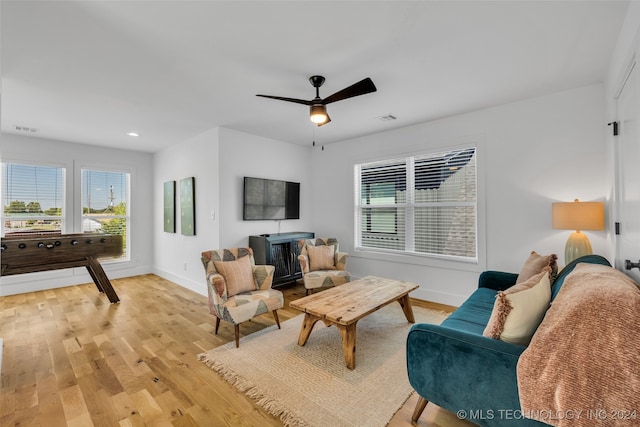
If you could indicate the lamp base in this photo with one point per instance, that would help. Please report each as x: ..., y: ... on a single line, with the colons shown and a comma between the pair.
x: 577, y: 245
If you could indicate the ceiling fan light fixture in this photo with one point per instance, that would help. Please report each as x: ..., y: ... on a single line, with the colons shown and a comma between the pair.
x: 318, y: 114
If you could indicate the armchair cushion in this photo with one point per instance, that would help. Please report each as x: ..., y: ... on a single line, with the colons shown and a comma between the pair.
x: 321, y: 279
x: 237, y: 275
x: 339, y: 258
x: 243, y: 307
x: 321, y: 257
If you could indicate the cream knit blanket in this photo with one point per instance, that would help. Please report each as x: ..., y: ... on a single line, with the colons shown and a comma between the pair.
x: 582, y: 367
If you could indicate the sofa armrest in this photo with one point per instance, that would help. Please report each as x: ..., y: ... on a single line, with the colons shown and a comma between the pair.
x: 496, y: 280
x: 458, y: 370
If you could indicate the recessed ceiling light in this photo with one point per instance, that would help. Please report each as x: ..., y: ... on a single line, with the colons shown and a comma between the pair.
x: 133, y: 134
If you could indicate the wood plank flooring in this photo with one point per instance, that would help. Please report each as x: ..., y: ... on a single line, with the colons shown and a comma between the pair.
x: 71, y: 358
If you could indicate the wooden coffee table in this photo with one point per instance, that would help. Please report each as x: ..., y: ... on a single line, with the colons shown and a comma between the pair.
x: 344, y: 305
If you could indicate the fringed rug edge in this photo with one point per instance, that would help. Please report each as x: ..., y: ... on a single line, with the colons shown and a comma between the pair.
x: 272, y: 406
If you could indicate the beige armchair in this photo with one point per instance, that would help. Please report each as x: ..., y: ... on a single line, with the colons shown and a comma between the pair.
x: 322, y: 263
x: 238, y: 289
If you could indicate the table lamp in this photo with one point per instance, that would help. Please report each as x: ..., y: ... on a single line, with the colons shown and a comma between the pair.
x: 577, y: 216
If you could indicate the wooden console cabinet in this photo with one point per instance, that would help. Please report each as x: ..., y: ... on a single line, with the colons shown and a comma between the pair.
x: 281, y: 251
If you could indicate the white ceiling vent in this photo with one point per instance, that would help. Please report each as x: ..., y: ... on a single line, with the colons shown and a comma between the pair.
x: 387, y: 117
x: 26, y: 129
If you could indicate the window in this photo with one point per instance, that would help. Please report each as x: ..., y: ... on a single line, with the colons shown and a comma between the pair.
x: 33, y: 198
x: 424, y: 204
x: 105, y: 207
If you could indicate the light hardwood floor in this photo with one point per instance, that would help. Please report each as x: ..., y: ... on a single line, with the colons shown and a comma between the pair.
x: 71, y: 358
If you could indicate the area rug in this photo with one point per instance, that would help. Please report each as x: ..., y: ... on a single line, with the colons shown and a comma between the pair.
x: 310, y: 385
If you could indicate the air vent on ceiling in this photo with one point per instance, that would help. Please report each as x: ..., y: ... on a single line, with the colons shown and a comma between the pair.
x: 26, y: 129
x: 387, y: 117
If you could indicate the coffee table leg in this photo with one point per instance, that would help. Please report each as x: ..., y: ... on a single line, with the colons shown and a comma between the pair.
x: 307, y: 325
x: 348, y: 333
x: 405, y: 303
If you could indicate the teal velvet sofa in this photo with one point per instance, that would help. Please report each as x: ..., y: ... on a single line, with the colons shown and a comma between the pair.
x: 457, y: 368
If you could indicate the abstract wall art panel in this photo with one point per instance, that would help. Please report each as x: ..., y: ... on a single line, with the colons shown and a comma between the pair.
x: 187, y: 207
x: 170, y: 206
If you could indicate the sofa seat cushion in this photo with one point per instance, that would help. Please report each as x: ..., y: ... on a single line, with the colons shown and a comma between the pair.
x: 243, y: 307
x: 473, y: 315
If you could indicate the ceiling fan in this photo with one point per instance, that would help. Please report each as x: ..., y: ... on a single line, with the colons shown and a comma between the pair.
x: 318, y: 109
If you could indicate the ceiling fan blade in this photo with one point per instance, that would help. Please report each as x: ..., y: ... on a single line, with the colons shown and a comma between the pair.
x: 362, y: 87
x: 297, y: 101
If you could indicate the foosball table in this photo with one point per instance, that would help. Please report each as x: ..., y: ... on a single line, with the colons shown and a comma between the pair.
x: 34, y: 253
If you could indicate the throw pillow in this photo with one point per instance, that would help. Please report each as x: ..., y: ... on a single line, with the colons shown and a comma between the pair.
x: 518, y: 311
x: 237, y: 274
x: 321, y: 257
x: 535, y: 264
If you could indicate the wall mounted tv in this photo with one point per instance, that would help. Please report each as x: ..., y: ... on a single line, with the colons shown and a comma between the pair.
x: 270, y: 199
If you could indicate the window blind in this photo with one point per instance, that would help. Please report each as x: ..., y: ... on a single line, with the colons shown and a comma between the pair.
x: 424, y: 204
x: 33, y: 199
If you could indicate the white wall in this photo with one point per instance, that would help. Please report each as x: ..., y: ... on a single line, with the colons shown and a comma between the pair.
x: 177, y: 257
x: 69, y: 155
x: 531, y: 153
x: 219, y: 159
x: 241, y: 155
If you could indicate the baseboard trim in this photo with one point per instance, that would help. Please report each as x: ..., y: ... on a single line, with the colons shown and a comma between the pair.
x: 181, y: 281
x: 44, y: 280
x: 432, y: 305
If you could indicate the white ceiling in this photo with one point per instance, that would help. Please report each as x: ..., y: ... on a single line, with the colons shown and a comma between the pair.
x: 91, y: 71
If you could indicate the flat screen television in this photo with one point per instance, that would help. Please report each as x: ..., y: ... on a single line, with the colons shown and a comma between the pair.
x: 265, y: 199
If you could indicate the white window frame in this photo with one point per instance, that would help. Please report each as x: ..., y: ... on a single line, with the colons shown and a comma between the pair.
x: 126, y: 257
x: 478, y: 263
